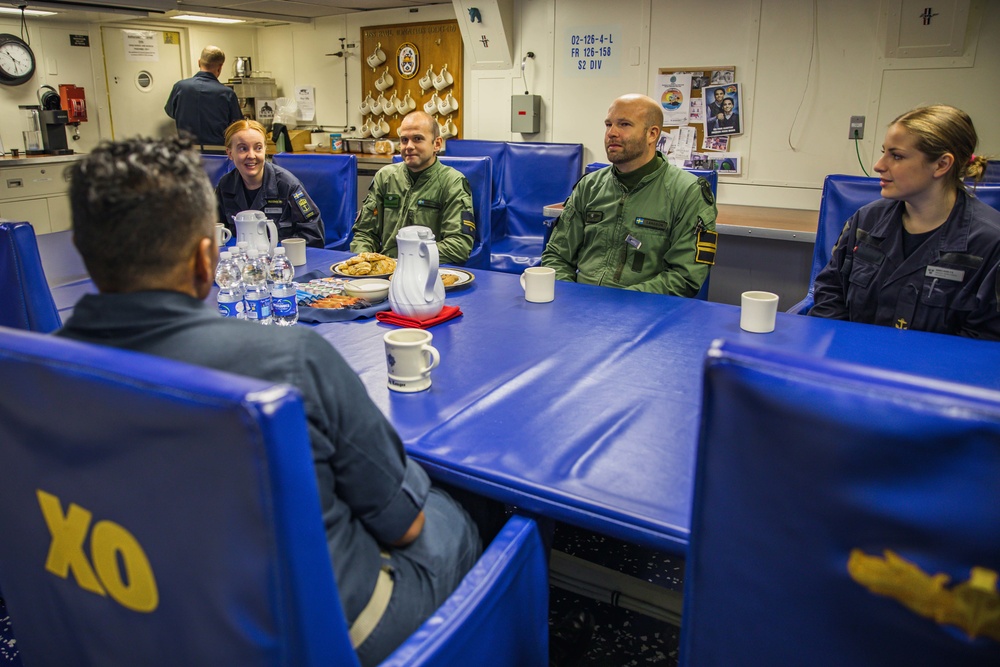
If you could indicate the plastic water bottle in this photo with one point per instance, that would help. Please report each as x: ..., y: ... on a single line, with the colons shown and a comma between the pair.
x: 240, y: 255
x: 230, y: 281
x: 255, y: 293
x: 283, y: 304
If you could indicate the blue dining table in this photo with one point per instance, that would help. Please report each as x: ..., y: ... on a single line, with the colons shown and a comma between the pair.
x: 586, y: 409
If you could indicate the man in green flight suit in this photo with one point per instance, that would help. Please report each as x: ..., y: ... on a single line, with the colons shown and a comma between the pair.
x: 640, y: 224
x: 418, y: 191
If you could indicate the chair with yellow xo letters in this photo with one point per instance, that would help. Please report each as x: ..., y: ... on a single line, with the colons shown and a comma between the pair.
x: 155, y: 513
x: 843, y: 515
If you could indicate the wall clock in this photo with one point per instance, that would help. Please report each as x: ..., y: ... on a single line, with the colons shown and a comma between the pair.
x: 17, y: 61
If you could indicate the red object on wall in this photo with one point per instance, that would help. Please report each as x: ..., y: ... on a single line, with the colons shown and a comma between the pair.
x: 74, y: 102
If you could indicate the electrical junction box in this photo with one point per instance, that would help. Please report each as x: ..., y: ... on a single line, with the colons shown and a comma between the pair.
x: 525, y: 113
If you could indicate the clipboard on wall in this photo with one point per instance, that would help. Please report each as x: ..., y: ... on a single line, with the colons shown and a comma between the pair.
x: 701, y: 78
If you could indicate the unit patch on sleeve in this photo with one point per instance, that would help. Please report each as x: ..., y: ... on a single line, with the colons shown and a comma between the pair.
x: 706, y: 191
x: 706, y: 245
x: 468, y: 223
x: 308, y: 212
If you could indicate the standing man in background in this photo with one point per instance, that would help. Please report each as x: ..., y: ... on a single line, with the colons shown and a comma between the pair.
x: 202, y: 105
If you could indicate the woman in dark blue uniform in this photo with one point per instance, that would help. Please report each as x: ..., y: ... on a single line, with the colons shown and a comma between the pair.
x: 256, y: 184
x: 926, y: 256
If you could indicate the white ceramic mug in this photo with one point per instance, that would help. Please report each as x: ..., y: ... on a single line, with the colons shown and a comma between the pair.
x: 449, y: 129
x: 426, y: 82
x: 757, y: 311
x: 385, y: 81
x: 444, y: 106
x: 443, y: 79
x: 377, y: 130
x: 431, y: 106
x: 401, y: 105
x: 295, y: 250
x: 409, y: 103
x: 366, y: 128
x: 539, y: 284
x: 222, y: 235
x: 389, y: 107
x: 409, y: 359
x: 377, y: 57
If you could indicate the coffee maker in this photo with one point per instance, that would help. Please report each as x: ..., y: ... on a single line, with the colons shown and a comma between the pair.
x: 54, y: 121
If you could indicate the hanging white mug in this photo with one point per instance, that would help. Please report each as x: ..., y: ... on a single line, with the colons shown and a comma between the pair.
x: 377, y: 130
x: 366, y: 106
x: 401, y: 105
x: 389, y: 107
x: 366, y: 128
x: 442, y: 128
x: 409, y: 103
x: 452, y: 129
x: 385, y: 81
x: 427, y: 80
x: 452, y: 103
x: 443, y: 79
x: 444, y: 108
x: 431, y: 106
x: 377, y: 57
x: 379, y: 105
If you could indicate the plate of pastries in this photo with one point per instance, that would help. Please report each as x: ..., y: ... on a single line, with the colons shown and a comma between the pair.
x: 365, y: 265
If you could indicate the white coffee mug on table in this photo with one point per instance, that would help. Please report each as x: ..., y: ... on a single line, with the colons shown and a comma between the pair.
x: 758, y: 311
x: 539, y: 284
x: 409, y: 359
x: 222, y: 234
x: 295, y: 250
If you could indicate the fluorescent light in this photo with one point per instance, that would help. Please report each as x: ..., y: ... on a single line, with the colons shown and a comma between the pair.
x: 27, y: 12
x: 205, y: 19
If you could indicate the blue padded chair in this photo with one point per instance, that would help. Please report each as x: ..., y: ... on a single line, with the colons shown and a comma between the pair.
x: 842, y: 196
x: 479, y: 172
x: 812, y: 478
x: 535, y: 174
x: 25, y: 299
x: 332, y: 183
x: 709, y: 175
x: 216, y: 166
x: 497, y: 152
x: 170, y: 516
x: 65, y: 271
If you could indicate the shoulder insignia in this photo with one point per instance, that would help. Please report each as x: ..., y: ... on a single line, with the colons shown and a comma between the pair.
x: 706, y: 191
x: 303, y: 203
x: 468, y: 223
x: 706, y: 246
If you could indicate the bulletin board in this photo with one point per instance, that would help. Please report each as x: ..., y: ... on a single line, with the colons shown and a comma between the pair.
x: 702, y: 77
x: 423, y: 60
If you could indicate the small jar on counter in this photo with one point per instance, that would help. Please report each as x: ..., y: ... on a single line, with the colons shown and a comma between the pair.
x: 336, y: 143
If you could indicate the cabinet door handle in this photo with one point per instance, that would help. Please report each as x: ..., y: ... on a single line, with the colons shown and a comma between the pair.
x: 15, y: 183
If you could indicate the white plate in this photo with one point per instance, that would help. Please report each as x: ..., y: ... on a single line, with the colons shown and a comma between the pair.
x: 464, y: 277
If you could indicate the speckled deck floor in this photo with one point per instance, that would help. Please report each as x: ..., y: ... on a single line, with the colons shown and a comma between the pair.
x: 622, y: 638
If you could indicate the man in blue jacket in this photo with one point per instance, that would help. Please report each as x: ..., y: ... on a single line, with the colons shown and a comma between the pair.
x: 202, y: 105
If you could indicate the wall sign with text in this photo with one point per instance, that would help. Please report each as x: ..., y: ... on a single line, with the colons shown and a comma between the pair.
x: 592, y: 51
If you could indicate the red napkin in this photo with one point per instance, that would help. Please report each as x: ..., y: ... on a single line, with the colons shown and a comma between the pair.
x: 389, y: 317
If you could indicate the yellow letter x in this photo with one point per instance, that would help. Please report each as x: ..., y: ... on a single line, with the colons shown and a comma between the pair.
x: 68, y: 533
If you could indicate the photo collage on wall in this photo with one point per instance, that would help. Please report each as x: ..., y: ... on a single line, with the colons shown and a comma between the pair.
x: 702, y: 110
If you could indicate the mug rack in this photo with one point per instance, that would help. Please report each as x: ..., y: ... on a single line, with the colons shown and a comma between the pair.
x: 409, y: 67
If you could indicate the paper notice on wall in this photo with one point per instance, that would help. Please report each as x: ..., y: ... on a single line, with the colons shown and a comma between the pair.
x: 682, y: 145
x: 141, y: 46
x: 673, y: 92
x: 306, y: 98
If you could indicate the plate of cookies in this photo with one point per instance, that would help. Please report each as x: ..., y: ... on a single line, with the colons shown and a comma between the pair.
x: 455, y: 278
x: 365, y: 265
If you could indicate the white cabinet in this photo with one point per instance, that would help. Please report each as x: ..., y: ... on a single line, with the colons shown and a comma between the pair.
x: 35, y: 190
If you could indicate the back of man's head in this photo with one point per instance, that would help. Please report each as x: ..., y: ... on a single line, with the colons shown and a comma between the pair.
x: 212, y: 58
x: 140, y: 206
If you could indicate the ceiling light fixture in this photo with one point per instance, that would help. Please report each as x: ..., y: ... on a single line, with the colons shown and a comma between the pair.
x: 27, y: 12
x: 205, y: 19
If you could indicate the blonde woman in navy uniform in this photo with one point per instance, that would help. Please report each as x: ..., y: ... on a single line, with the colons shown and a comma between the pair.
x: 926, y: 256
x: 256, y: 184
